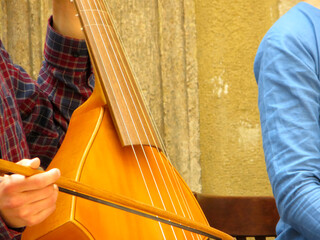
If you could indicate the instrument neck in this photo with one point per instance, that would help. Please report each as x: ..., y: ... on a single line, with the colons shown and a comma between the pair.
x: 118, y: 83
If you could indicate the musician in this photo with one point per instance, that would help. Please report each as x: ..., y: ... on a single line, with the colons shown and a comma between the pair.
x: 34, y: 118
x: 287, y: 69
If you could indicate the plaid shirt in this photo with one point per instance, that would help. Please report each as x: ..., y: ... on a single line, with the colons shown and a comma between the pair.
x: 34, y: 116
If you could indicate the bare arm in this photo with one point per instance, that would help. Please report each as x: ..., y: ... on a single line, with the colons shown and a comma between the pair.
x: 65, y: 20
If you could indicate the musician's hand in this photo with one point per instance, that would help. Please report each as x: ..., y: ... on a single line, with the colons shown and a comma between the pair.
x: 26, y: 201
x: 65, y: 20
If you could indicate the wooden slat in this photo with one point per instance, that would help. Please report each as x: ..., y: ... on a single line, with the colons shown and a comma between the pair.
x: 260, y: 238
x: 241, y: 238
x: 241, y: 216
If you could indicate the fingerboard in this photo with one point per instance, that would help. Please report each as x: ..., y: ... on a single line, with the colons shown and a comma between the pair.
x: 130, y: 116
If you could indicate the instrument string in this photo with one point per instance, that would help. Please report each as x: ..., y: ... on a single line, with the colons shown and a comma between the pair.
x: 129, y: 80
x: 189, y: 213
x: 126, y: 83
x: 141, y: 171
x: 153, y: 137
x: 90, y: 27
x: 157, y: 132
x: 147, y: 160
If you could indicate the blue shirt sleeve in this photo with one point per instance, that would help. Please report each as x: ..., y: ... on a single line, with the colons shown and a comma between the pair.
x: 286, y: 70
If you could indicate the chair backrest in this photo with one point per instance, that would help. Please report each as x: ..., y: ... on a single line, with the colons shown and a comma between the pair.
x: 241, y: 217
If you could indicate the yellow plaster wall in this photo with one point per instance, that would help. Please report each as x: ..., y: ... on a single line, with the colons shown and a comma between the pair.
x: 228, y: 35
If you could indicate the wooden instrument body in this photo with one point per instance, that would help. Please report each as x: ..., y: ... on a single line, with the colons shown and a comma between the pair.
x: 92, y: 154
x: 112, y: 145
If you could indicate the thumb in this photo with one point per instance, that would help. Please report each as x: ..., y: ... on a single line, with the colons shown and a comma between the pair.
x: 33, y: 163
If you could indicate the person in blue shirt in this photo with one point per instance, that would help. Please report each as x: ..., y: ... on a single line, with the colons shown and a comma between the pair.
x: 287, y: 68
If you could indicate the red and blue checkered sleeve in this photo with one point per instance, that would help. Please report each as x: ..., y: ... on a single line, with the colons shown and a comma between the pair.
x: 9, y: 234
x: 44, y: 108
x: 65, y: 82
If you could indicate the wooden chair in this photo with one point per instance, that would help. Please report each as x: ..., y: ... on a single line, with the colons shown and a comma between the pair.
x: 241, y: 217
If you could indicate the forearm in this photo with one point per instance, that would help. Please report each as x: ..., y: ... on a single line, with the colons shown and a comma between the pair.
x: 64, y: 84
x: 65, y: 20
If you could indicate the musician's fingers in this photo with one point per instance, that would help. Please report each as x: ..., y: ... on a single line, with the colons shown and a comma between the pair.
x: 12, y: 184
x: 40, y: 210
x: 40, y: 216
x: 33, y: 163
x: 16, y: 183
x: 29, y: 197
x: 40, y: 180
x: 21, y: 208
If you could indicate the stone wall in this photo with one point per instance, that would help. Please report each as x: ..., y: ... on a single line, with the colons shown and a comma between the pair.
x: 23, y: 26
